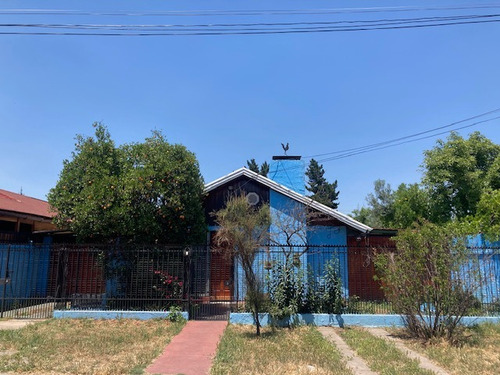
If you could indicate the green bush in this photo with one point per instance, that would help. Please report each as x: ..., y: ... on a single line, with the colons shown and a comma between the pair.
x: 430, y: 280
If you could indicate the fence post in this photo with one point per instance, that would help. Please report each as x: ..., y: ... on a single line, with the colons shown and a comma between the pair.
x: 5, y: 281
x: 187, y: 282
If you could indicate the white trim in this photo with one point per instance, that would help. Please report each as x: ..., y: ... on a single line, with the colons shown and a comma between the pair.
x: 289, y: 193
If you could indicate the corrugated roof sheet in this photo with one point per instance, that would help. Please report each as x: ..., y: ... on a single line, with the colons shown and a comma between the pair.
x: 18, y: 203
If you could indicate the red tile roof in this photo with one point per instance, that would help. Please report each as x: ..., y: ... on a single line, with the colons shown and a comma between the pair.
x: 10, y: 201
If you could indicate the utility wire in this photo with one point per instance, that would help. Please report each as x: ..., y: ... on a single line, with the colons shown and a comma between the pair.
x: 247, y: 32
x: 342, y: 156
x: 373, y: 145
x: 323, y: 24
x: 254, y: 12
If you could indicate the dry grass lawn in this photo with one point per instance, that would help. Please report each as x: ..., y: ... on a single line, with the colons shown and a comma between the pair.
x: 84, y: 346
x: 479, y: 354
x: 283, y: 351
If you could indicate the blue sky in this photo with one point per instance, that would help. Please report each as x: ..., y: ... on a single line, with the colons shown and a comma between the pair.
x: 232, y: 98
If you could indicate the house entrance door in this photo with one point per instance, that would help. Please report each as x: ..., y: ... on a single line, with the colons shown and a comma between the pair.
x: 221, y: 280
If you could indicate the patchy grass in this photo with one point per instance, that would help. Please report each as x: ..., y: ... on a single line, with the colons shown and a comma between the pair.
x: 478, y: 354
x: 380, y: 355
x: 281, y: 351
x: 84, y: 346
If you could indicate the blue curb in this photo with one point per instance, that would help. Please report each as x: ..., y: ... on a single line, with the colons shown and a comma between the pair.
x: 106, y: 314
x: 341, y: 320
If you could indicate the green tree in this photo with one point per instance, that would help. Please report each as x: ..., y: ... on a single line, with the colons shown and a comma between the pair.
x: 164, y: 191
x: 487, y: 218
x: 254, y: 167
x: 143, y: 192
x: 380, y: 210
x: 88, y: 197
x: 322, y: 191
x: 493, y: 175
x: 411, y: 203
x: 456, y: 174
x: 243, y: 229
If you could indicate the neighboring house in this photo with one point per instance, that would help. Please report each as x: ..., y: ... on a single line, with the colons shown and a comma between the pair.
x: 22, y: 216
x: 284, y: 190
x: 24, y: 267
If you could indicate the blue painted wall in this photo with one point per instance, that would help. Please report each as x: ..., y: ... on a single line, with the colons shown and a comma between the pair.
x: 289, y: 213
x: 487, y: 258
x: 316, y: 258
x: 290, y: 173
x: 292, y: 214
x: 28, y: 270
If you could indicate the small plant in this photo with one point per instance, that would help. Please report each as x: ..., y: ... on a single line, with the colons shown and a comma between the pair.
x: 292, y: 291
x: 286, y: 289
x: 332, y: 301
x: 175, y: 314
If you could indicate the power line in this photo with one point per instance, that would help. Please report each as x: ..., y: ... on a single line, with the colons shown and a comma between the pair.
x: 327, y: 24
x: 246, y: 32
x: 378, y: 144
x: 342, y: 156
x: 252, y: 12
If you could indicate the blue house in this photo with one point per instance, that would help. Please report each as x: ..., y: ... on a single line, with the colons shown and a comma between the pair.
x: 298, y: 223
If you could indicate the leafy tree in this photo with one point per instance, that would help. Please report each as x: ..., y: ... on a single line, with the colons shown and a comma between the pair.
x: 254, y: 167
x: 143, y: 192
x: 380, y: 210
x: 487, y: 218
x: 164, y: 189
x: 88, y: 197
x: 411, y: 203
x: 430, y: 280
x: 243, y: 229
x: 456, y: 171
x: 322, y: 191
x: 493, y: 175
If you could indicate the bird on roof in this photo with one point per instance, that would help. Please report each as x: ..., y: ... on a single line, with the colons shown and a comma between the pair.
x: 285, y: 148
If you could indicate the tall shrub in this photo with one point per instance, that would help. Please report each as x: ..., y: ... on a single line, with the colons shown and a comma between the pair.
x: 243, y: 230
x: 430, y: 280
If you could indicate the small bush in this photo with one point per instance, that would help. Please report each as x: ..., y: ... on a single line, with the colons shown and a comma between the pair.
x: 175, y: 314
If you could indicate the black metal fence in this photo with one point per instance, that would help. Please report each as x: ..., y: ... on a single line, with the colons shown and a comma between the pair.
x: 36, y: 279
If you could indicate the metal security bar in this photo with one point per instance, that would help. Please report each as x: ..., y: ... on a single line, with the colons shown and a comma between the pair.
x: 35, y: 279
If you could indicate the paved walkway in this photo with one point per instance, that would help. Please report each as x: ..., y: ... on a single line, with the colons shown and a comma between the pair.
x: 191, y: 351
x: 356, y: 364
x: 16, y: 324
x: 424, y: 362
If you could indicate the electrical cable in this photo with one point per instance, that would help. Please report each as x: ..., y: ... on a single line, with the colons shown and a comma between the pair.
x: 250, y: 32
x: 254, y: 12
x: 405, y: 137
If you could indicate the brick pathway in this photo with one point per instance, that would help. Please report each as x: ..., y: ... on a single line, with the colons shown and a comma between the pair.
x: 191, y: 351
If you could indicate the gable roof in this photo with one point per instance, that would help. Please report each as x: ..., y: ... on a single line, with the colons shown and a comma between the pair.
x: 289, y: 193
x: 18, y: 203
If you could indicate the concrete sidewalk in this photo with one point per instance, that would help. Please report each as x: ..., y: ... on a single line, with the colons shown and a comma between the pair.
x: 190, y: 352
x: 17, y: 323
